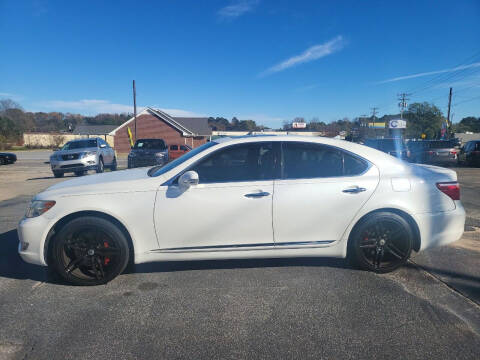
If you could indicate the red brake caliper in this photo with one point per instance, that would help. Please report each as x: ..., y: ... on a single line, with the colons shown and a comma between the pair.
x: 107, y: 259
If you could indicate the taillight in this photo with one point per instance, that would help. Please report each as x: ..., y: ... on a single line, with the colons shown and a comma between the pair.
x: 452, y: 189
x: 453, y: 152
x: 430, y: 153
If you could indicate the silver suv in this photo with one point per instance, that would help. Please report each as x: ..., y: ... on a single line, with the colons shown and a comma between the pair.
x: 79, y: 156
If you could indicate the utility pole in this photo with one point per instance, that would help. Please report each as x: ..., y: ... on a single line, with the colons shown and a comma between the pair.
x: 402, y: 98
x: 135, y: 110
x: 449, y: 105
x: 374, y: 113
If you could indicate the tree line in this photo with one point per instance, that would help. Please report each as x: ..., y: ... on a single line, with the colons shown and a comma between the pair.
x: 422, y: 118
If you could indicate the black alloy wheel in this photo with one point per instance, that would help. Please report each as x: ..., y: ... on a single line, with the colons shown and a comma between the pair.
x: 100, y: 166
x: 90, y: 251
x: 382, y: 242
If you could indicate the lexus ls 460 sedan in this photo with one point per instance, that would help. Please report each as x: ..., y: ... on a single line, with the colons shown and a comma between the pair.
x: 250, y: 197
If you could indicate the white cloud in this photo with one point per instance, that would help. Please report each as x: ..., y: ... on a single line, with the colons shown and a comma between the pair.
x: 88, y: 106
x: 405, y: 77
x: 312, y: 53
x: 237, y: 8
x: 11, y: 96
x: 262, y: 119
x: 93, y: 107
x: 181, y: 113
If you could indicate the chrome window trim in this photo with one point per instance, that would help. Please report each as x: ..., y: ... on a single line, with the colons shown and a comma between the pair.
x: 271, y: 245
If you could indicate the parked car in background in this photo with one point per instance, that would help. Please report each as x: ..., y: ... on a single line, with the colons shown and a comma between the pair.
x: 175, y: 151
x: 79, y: 156
x: 439, y: 152
x: 469, y: 154
x: 395, y: 147
x: 148, y: 152
x: 250, y: 197
x: 7, y: 158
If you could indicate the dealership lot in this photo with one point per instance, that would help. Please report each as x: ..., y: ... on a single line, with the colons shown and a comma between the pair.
x: 296, y: 308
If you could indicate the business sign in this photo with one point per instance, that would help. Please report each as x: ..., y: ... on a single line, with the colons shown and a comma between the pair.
x: 299, y: 125
x: 397, y: 124
x: 376, y: 125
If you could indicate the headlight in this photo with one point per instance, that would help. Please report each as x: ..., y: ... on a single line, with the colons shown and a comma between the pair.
x: 87, y: 154
x: 160, y: 155
x: 38, y: 207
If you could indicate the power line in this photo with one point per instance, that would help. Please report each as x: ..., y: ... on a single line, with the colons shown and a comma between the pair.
x: 402, y: 98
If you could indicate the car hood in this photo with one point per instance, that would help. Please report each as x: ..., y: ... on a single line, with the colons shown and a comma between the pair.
x: 74, y: 151
x: 111, y: 182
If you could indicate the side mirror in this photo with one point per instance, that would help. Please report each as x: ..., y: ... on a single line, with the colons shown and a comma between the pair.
x: 188, y: 179
x: 103, y: 146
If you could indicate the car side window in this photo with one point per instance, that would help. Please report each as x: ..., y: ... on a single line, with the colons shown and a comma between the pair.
x: 306, y: 161
x: 245, y: 162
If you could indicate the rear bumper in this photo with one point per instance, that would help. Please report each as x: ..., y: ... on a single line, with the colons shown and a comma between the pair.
x: 441, y: 228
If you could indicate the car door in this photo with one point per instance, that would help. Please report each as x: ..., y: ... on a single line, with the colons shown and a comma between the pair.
x: 321, y: 190
x: 231, y: 207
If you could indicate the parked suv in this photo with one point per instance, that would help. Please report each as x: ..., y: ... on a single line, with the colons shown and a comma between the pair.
x: 79, y: 156
x: 395, y: 147
x: 441, y: 152
x: 148, y: 152
x: 469, y: 154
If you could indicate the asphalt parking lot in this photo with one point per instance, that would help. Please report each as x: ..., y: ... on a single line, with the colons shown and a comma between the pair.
x: 269, y: 309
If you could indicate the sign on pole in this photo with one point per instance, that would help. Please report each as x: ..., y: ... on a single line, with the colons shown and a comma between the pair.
x: 397, y: 124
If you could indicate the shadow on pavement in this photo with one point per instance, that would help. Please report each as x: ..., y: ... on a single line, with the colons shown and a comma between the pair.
x: 48, y: 177
x: 170, y: 266
x: 12, y: 266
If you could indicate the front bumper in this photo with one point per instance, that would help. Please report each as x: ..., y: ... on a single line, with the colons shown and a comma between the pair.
x: 32, y: 231
x: 441, y: 228
x: 139, y: 161
x: 83, y: 164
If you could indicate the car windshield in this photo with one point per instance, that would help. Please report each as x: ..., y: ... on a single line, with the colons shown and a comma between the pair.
x: 80, y: 144
x: 158, y: 144
x: 157, y: 171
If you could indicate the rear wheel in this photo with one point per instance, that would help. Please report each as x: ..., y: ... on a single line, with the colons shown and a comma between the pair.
x: 382, y: 242
x: 113, y: 167
x: 89, y: 251
x: 58, y: 174
x: 2, y: 161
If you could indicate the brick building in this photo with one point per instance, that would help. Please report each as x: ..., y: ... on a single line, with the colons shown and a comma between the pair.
x: 156, y: 124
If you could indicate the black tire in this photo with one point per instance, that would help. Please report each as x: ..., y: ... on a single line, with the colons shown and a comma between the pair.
x: 80, y: 173
x: 381, y: 243
x: 100, y: 166
x: 89, y: 251
x: 2, y: 161
x: 113, y: 167
x: 58, y: 174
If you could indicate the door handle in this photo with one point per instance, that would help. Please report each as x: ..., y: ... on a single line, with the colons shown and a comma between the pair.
x: 354, y: 190
x: 257, y: 195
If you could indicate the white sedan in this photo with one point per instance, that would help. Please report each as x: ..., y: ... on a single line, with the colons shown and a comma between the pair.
x: 249, y: 197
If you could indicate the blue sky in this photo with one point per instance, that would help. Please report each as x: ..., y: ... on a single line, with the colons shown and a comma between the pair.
x: 267, y: 60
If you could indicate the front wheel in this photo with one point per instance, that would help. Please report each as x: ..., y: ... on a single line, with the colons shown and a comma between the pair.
x: 382, y: 242
x: 89, y: 251
x: 100, y: 166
